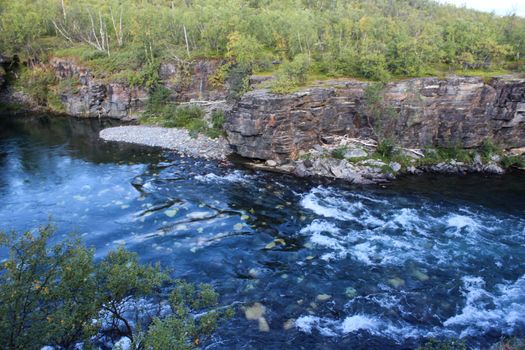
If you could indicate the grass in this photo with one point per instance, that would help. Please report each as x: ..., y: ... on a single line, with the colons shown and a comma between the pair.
x: 509, y: 161
x: 339, y: 153
x: 161, y: 111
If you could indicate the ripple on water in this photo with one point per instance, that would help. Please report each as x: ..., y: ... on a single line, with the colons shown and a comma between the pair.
x: 413, y: 242
x: 382, y: 267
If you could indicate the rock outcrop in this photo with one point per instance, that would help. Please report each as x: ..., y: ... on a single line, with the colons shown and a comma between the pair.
x: 456, y: 111
x: 192, y: 81
x: 100, y: 97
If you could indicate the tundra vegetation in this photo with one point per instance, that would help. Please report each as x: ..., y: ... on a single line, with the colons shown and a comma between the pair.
x: 375, y: 39
x: 59, y: 295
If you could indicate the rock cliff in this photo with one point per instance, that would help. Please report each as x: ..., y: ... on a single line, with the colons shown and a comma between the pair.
x: 456, y: 111
x: 101, y: 97
x: 416, y: 113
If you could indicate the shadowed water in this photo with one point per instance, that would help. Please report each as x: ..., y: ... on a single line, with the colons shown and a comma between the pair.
x: 353, y: 267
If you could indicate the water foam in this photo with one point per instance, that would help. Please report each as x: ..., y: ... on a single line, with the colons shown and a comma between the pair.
x: 359, y: 323
x: 503, y: 309
x: 325, y: 203
x: 235, y: 176
x: 375, y: 232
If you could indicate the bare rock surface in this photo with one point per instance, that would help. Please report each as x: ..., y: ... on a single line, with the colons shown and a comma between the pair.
x: 425, y: 112
x: 179, y: 140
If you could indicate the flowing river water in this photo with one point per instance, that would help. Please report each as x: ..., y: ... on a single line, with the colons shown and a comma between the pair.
x: 337, y: 266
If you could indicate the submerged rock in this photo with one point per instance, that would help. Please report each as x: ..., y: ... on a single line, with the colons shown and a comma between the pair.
x: 396, y: 282
x: 254, y: 312
x: 263, y: 325
x: 323, y: 297
x: 289, y: 324
x: 420, y: 275
x: 351, y: 292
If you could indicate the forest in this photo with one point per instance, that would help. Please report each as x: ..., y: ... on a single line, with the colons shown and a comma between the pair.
x: 369, y: 39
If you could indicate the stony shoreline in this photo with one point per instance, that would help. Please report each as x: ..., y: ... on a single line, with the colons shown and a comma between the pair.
x: 357, y: 165
x: 179, y: 140
x: 356, y: 161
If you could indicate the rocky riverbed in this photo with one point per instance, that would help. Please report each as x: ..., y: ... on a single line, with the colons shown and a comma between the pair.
x: 179, y: 140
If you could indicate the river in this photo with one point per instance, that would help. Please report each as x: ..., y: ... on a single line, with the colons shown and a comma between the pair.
x: 352, y: 267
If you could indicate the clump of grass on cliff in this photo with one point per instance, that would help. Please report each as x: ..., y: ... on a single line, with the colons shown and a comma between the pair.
x: 161, y: 111
x: 36, y: 83
x: 40, y: 84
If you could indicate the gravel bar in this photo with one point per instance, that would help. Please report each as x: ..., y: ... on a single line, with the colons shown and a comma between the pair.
x: 178, y: 140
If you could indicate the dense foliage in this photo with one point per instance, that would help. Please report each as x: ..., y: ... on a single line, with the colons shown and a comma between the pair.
x: 373, y: 39
x: 161, y: 111
x: 60, y: 296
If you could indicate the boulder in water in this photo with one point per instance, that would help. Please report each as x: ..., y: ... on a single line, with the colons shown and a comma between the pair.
x: 254, y: 312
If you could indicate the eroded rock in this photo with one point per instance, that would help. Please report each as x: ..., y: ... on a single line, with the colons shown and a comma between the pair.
x: 429, y: 112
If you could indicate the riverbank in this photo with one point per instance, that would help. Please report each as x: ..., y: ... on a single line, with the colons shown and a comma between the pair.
x: 358, y: 161
x: 179, y: 140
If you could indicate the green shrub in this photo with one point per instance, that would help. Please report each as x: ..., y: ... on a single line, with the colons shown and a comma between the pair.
x: 488, y: 148
x: 218, y: 78
x: 36, y: 82
x: 68, y: 86
x: 291, y: 75
x: 446, y: 154
x: 379, y: 110
x: 217, y: 124
x: 161, y: 111
x: 54, y: 102
x: 283, y: 86
x: 147, y: 76
x: 455, y: 153
x: 243, y: 48
x: 238, y: 80
x: 50, y: 295
x: 339, y: 153
x: 508, y: 161
x: 159, y: 99
x: 373, y: 65
x: 386, y: 148
x: 217, y: 119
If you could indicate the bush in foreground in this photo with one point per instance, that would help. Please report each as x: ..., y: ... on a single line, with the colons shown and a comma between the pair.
x: 60, y: 296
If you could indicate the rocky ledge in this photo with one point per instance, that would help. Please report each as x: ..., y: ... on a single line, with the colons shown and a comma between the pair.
x: 359, y: 161
x: 169, y: 138
x: 419, y: 112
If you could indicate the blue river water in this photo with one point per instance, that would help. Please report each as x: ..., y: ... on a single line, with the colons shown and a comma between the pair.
x: 334, y: 265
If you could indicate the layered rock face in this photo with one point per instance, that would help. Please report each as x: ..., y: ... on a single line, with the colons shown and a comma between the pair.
x: 456, y: 111
x: 192, y: 82
x: 95, y: 97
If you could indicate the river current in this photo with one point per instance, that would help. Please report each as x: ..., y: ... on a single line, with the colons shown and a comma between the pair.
x: 335, y: 265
